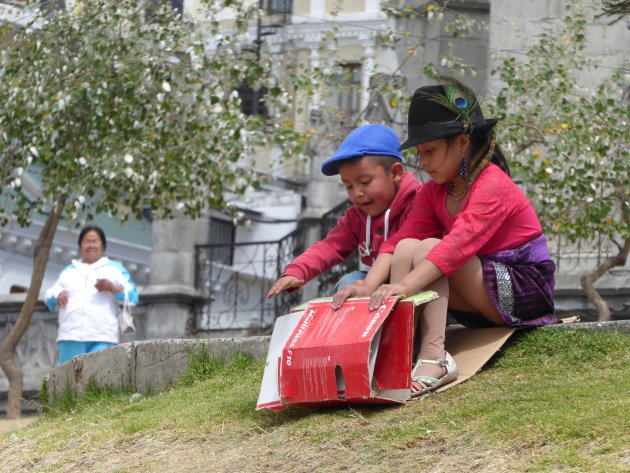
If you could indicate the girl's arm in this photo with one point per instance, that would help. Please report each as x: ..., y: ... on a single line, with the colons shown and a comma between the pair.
x: 421, y: 276
x: 52, y: 297
x: 378, y: 274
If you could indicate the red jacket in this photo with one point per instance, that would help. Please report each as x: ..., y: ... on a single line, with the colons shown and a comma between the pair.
x: 350, y: 234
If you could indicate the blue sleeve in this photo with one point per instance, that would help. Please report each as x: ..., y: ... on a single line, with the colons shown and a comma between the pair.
x: 129, y: 285
x: 51, y: 303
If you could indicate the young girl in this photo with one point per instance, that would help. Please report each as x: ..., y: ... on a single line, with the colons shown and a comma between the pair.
x: 472, y: 235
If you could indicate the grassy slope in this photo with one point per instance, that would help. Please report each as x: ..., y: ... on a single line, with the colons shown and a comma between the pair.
x: 554, y: 400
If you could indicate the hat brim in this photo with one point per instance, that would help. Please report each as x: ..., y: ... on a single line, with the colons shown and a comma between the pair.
x: 442, y: 132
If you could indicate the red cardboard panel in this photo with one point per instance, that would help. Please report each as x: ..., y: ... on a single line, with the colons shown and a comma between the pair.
x: 320, y: 357
x: 395, y: 351
x: 328, y: 346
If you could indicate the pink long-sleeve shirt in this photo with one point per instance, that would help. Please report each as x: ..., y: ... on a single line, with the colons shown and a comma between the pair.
x: 495, y: 216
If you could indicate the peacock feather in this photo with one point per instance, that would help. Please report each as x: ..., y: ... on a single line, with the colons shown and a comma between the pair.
x: 457, y: 98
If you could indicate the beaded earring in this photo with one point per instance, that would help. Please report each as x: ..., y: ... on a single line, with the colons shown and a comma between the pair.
x: 463, y: 169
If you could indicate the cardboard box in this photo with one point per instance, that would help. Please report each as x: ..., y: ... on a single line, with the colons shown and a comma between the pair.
x: 319, y: 357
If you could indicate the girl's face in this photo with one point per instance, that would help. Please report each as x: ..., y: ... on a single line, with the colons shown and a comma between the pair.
x: 369, y: 186
x: 441, y: 159
x: 91, y: 247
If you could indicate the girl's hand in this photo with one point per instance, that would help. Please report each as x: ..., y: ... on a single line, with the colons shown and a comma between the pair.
x: 384, y: 292
x: 356, y: 289
x: 284, y: 283
x: 107, y: 285
x: 62, y: 299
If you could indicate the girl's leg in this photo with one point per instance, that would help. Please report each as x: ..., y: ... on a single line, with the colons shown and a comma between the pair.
x: 469, y: 293
x: 403, y: 258
x: 433, y: 315
x: 467, y: 290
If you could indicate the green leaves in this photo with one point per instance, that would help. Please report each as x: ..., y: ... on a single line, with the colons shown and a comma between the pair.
x: 127, y: 110
x: 569, y: 139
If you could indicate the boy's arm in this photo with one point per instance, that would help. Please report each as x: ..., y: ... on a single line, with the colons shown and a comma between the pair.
x: 337, y: 247
x: 285, y: 283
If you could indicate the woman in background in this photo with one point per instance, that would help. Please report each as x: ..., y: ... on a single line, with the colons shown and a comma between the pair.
x: 87, y: 295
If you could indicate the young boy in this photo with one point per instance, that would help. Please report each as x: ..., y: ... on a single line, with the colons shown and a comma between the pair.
x: 371, y: 169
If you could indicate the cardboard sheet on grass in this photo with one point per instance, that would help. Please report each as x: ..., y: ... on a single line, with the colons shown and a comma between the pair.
x: 318, y: 356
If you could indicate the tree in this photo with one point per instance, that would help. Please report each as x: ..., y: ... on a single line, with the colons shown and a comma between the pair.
x: 569, y: 140
x: 120, y: 106
x: 618, y: 8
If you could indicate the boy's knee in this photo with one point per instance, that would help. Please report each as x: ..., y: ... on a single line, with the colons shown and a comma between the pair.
x: 349, y: 278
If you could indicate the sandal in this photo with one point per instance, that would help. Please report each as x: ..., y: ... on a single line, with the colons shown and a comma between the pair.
x: 429, y: 383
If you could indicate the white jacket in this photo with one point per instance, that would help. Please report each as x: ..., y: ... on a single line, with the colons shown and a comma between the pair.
x: 90, y: 315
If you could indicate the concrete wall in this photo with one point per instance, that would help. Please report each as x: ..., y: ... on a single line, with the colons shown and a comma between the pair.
x: 514, y: 24
x: 145, y: 367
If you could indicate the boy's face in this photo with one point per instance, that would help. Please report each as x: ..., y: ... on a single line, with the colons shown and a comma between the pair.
x: 369, y: 186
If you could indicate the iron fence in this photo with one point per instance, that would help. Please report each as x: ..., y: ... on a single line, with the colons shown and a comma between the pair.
x: 581, y: 256
x: 235, y: 288
x: 235, y: 294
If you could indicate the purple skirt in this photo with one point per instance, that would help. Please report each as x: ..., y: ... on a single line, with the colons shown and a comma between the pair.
x: 520, y: 285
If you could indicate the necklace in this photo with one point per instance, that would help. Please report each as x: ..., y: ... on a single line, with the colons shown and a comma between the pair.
x: 458, y: 191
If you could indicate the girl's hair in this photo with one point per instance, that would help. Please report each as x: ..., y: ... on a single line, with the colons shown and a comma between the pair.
x: 93, y: 228
x: 482, y: 143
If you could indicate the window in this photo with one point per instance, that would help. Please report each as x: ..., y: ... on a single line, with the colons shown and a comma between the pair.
x: 251, y: 100
x: 348, y: 92
x: 178, y: 5
x: 50, y: 5
x: 278, y: 10
x: 221, y: 233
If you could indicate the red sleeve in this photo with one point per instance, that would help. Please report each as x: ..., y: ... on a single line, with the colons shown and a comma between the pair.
x: 422, y: 221
x: 337, y: 247
x: 493, y: 198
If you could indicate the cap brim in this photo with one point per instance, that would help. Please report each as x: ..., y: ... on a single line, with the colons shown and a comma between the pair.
x: 447, y: 134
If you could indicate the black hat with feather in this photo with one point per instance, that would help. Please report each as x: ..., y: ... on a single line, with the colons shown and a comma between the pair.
x: 442, y: 111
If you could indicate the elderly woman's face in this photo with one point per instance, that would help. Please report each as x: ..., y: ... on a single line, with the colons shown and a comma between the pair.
x: 91, y: 247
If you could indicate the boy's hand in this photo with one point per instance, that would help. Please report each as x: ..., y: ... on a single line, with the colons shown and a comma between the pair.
x: 284, y: 283
x: 356, y: 289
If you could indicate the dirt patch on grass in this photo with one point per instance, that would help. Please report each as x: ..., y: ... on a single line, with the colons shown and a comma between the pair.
x: 167, y: 452
x: 10, y: 425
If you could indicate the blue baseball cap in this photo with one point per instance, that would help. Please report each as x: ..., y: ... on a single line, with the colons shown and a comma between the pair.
x: 372, y: 140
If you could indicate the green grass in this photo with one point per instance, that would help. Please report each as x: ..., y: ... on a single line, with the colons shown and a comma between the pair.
x: 551, y: 400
